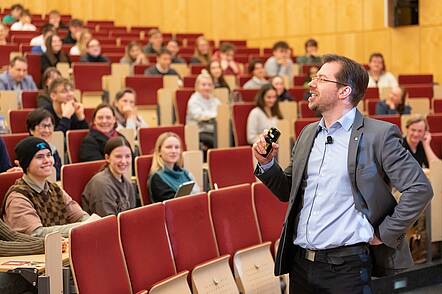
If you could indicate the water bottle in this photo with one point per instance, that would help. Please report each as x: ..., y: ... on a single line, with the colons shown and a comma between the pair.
x: 3, y: 125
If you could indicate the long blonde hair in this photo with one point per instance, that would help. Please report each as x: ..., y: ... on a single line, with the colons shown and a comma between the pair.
x: 204, y: 59
x: 82, y: 41
x: 157, y: 161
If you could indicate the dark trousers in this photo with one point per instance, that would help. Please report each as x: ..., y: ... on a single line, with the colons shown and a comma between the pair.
x: 333, y: 274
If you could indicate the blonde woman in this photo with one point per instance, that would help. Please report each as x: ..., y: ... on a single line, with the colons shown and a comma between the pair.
x: 167, y: 172
x: 203, y: 52
x: 80, y: 46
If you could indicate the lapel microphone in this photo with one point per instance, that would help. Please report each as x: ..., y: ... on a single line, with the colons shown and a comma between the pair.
x: 329, y: 140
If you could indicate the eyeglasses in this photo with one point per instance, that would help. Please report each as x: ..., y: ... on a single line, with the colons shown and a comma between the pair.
x: 323, y: 80
x: 45, y: 126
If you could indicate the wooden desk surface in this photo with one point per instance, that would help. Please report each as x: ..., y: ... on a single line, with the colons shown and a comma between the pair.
x: 33, y: 261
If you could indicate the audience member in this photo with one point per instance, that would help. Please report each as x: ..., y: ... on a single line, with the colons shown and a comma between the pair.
x: 54, y: 53
x: 282, y: 93
x: 226, y: 58
x: 203, y: 52
x: 67, y: 112
x: 280, y: 64
x: 126, y: 111
x: 311, y: 53
x: 24, y: 24
x: 417, y: 140
x: 167, y: 172
x: 80, y: 47
x: 312, y: 73
x: 14, y: 15
x: 378, y: 74
x: 174, y: 48
x: 40, y: 124
x: 265, y: 115
x: 54, y: 18
x: 75, y: 29
x: 256, y: 68
x: 44, y: 99
x: 34, y: 205
x: 134, y: 54
x: 216, y: 73
x: 155, y: 44
x: 103, y: 128
x: 110, y: 191
x: 93, y: 52
x: 39, y: 43
x: 4, y: 31
x: 16, y: 77
x: 395, y: 103
x: 162, y: 67
x: 202, y: 110
x: 5, y: 162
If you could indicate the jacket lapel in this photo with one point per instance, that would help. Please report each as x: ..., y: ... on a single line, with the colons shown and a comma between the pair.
x: 353, y: 146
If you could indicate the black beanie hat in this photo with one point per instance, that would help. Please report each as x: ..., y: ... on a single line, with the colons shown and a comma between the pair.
x: 26, y: 149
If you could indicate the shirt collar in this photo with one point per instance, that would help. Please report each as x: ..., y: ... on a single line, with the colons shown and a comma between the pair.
x: 34, y: 186
x: 345, y: 121
x: 160, y: 69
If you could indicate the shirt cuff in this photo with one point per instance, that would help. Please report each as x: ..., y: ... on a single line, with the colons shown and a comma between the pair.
x: 265, y: 167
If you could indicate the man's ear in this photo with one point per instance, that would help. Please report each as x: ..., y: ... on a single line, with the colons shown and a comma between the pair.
x: 345, y: 92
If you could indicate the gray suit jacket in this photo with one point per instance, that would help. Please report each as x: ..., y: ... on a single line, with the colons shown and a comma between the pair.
x: 376, y: 161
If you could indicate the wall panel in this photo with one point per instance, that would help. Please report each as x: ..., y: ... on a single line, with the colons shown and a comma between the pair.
x: 348, y: 16
x: 323, y: 16
x: 405, y: 45
x: 297, y: 13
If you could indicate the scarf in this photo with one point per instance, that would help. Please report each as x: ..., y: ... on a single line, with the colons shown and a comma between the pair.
x: 174, y: 178
x: 110, y: 135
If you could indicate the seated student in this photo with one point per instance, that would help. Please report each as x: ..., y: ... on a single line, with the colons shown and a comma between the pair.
x: 265, y: 115
x: 134, y: 54
x: 282, y: 93
x: 33, y: 205
x: 167, y: 172
x: 256, y: 68
x: 378, y: 74
x: 93, y: 52
x: 395, y: 103
x: 202, y: 110
x: 174, y: 48
x: 24, y: 24
x: 75, y: 28
x: 54, y: 53
x: 5, y: 162
x: 110, y: 191
x: 14, y: 15
x: 68, y: 113
x: 103, y: 128
x: 4, y: 31
x: 54, y: 18
x: 155, y: 44
x: 126, y: 111
x: 39, y: 43
x: 16, y: 77
x: 280, y: 64
x: 80, y: 47
x: 44, y: 99
x: 216, y: 73
x: 162, y: 67
x: 311, y: 53
x: 203, y: 52
x: 226, y: 57
x: 417, y: 140
x: 40, y: 124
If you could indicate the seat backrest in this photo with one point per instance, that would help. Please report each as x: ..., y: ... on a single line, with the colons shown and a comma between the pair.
x: 435, y: 122
x: 34, y: 67
x: 190, y: 231
x: 88, y: 114
x: 140, y: 68
x: 436, y: 144
x: 17, y: 120
x: 147, y: 137
x: 97, y: 258
x: 393, y: 119
x: 29, y: 99
x: 6, y: 181
x: 415, y: 79
x: 437, y: 105
x: 74, y: 138
x: 372, y: 93
x: 299, y: 80
x: 248, y: 95
x: 195, y: 69
x: 75, y: 176
x: 301, y: 123
x: 297, y: 93
x: 181, y: 100
x: 233, y: 218
x: 417, y: 91
x: 146, y: 88
x: 240, y: 113
x: 142, y: 170
x: 10, y: 141
x: 270, y: 212
x: 230, y: 166
x: 189, y: 81
x: 305, y: 111
x: 146, y: 245
x: 88, y: 75
x: 5, y: 51
x: 370, y: 105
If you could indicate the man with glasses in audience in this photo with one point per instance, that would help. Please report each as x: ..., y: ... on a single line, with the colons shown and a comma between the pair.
x: 343, y: 225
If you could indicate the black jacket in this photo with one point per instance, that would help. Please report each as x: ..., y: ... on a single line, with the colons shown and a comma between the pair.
x: 65, y: 124
x: 92, y: 147
x: 90, y: 58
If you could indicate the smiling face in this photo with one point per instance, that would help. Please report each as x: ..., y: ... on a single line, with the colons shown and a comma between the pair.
x: 41, y: 164
x: 416, y: 132
x: 56, y: 43
x: 172, y: 46
x: 170, y: 151
x: 119, y: 160
x: 94, y: 48
x: 215, y: 69
x: 44, y: 129
x: 61, y: 94
x: 376, y: 64
x: 259, y: 71
x: 164, y: 61
x: 104, y: 120
x: 205, y: 87
x: 270, y: 98
x: 278, y: 84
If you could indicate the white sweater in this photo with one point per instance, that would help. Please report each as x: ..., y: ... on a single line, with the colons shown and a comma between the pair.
x: 257, y: 122
x: 200, y: 109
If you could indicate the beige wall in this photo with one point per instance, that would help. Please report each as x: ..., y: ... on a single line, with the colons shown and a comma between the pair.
x: 351, y: 27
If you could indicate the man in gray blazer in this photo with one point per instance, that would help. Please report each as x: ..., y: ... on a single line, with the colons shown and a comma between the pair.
x: 343, y: 225
x: 16, y: 77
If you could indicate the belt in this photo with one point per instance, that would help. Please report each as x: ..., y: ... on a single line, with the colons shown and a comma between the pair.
x: 329, y: 255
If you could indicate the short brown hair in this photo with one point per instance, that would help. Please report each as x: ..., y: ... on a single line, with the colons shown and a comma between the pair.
x: 17, y: 58
x: 252, y: 65
x: 58, y: 82
x: 226, y: 46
